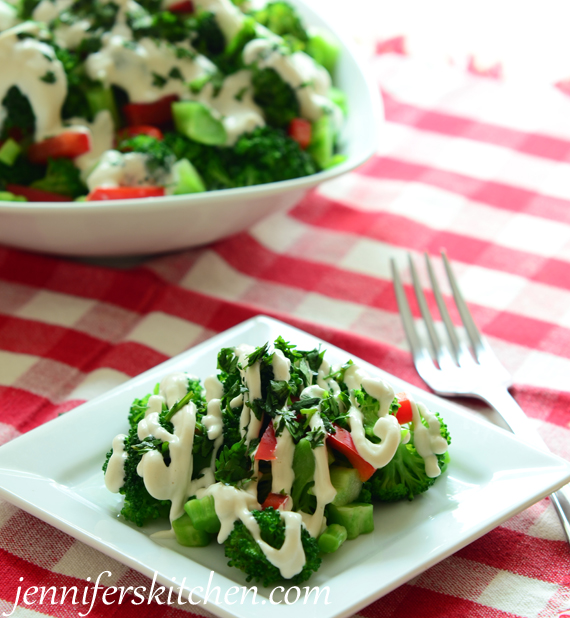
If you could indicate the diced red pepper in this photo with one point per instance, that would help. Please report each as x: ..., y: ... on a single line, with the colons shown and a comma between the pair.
x: 267, y: 445
x: 67, y: 145
x: 142, y: 129
x: 300, y: 130
x: 156, y: 113
x: 123, y: 193
x: 184, y: 6
x: 342, y: 442
x: 404, y: 413
x: 37, y: 195
x: 275, y: 501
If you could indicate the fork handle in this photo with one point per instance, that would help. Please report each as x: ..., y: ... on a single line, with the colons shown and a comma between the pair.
x: 518, y: 422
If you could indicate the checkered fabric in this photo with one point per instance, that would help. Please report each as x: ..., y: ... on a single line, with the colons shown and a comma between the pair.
x: 466, y: 163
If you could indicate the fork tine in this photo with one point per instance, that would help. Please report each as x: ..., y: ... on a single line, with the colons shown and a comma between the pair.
x: 426, y: 314
x: 407, y: 319
x: 470, y: 327
x: 449, y: 326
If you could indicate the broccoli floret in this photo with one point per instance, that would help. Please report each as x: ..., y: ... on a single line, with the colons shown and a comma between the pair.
x: 245, y: 554
x: 26, y: 8
x: 160, y: 154
x: 162, y: 25
x: 276, y: 97
x: 405, y: 476
x: 262, y: 156
x: 19, y: 114
x: 61, y: 177
x: 282, y: 19
x: 210, y: 40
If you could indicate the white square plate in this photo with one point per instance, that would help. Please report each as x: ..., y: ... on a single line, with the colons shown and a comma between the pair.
x: 54, y: 472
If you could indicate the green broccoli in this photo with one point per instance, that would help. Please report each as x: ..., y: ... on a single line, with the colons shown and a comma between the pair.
x: 61, y: 177
x: 245, y: 554
x: 282, y: 19
x: 405, y: 476
x: 140, y: 507
x: 276, y: 98
x: 19, y: 114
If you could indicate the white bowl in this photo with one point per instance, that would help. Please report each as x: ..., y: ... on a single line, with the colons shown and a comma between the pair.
x: 143, y: 226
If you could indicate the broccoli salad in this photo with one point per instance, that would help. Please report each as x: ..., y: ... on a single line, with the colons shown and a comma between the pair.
x: 278, y: 456
x: 112, y: 99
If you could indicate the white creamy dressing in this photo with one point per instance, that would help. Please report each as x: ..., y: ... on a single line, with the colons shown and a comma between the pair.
x: 122, y: 169
x: 310, y: 81
x: 69, y: 36
x: 134, y: 66
x: 386, y: 427
x: 233, y: 504
x: 228, y: 17
x: 281, y: 367
x: 251, y: 378
x: 233, y: 105
x: 24, y: 63
x: 8, y: 15
x: 323, y: 488
x: 50, y: 9
x: 115, y: 473
x: 282, y: 466
x: 101, y: 132
x: 428, y: 440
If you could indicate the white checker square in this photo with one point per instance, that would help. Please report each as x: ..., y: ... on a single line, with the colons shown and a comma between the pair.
x: 82, y: 561
x: 212, y: 275
x: 278, y: 232
x: 373, y: 258
x: 558, y: 182
x: 428, y: 205
x: 363, y: 192
x: 98, y: 382
x: 330, y: 311
x: 490, y: 288
x: 13, y: 366
x: 548, y: 526
x: 465, y: 156
x: 541, y: 236
x: 166, y: 333
x: 56, y: 308
x: 516, y: 594
x: 544, y: 370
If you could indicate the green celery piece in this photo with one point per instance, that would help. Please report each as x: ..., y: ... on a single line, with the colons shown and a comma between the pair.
x: 322, y: 141
x: 9, y: 152
x: 188, y: 180
x: 357, y: 518
x: 195, y: 120
x: 347, y: 483
x: 6, y: 196
x: 203, y: 514
x: 100, y: 98
x: 338, y: 97
x: 187, y: 535
x: 324, y: 49
x: 336, y: 159
x: 303, y: 467
x: 332, y: 538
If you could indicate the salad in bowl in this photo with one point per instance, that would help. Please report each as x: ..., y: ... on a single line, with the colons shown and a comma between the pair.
x: 125, y: 99
x: 279, y: 457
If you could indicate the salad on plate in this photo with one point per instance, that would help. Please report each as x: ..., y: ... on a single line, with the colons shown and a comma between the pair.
x: 279, y: 456
x: 112, y: 99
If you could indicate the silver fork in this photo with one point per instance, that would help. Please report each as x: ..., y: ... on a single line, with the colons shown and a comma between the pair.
x: 465, y: 372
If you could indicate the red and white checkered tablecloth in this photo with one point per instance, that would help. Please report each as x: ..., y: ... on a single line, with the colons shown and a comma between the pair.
x: 466, y: 163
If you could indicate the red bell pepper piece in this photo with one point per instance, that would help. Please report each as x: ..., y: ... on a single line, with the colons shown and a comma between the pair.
x: 267, y: 445
x: 404, y: 413
x: 300, y: 130
x: 156, y: 113
x: 68, y: 145
x: 275, y: 501
x: 184, y: 6
x: 37, y: 195
x: 342, y: 442
x: 142, y: 129
x: 123, y: 193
